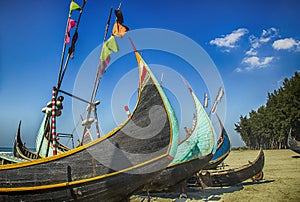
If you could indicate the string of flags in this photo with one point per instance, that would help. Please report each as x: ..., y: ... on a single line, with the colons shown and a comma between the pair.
x: 74, y: 6
x: 71, y: 24
x: 119, y: 30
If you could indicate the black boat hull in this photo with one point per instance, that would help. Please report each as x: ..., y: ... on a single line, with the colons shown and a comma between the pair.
x: 219, y: 178
x: 110, y: 188
x: 174, y: 174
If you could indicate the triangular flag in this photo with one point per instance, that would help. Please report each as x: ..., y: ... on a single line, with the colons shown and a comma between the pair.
x: 112, y: 44
x: 102, y: 67
x: 108, y: 46
x: 119, y: 30
x: 105, y: 52
x: 71, y: 24
x: 74, y: 6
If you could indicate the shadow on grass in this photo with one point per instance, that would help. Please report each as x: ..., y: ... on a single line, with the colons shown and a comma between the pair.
x: 207, y: 194
x: 212, y: 193
x: 257, y: 182
x: 196, y: 193
x: 296, y: 157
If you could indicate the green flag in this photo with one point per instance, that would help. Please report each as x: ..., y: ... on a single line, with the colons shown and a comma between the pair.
x: 74, y: 6
x: 109, y: 46
x: 105, y: 52
x: 112, y: 44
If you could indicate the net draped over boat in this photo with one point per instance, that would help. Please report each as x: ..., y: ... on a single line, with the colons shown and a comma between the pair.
x: 200, y: 143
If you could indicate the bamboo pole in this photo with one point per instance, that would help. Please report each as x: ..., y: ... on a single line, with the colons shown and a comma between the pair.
x: 62, y: 73
x: 98, y: 75
x: 63, y: 49
x: 60, y: 79
x: 97, y: 80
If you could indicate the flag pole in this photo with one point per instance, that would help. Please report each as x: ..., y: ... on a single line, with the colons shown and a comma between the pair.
x: 71, y: 49
x: 60, y: 77
x: 100, y: 71
x: 64, y: 48
x: 87, y: 124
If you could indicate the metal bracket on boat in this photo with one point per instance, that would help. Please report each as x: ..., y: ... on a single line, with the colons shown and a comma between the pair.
x: 88, y: 122
x: 78, y: 98
x: 65, y: 135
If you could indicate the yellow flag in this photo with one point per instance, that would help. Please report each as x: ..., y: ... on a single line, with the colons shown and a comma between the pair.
x: 109, y: 46
x: 74, y: 6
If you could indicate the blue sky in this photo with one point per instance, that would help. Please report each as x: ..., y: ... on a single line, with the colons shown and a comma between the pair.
x: 253, y: 44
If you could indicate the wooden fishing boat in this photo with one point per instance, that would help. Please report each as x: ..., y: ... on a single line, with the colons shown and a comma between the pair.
x: 222, y: 151
x: 44, y: 146
x: 292, y: 143
x: 8, y: 159
x: 229, y: 177
x: 20, y: 150
x: 192, y: 154
x: 175, y: 174
x: 23, y: 152
x: 109, y: 168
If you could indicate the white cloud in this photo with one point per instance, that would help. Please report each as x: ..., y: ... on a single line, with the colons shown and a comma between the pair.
x: 251, y: 52
x: 268, y: 34
x: 286, y: 44
x: 252, y: 59
x: 256, y: 62
x: 238, y: 69
x: 230, y: 40
x: 254, y: 41
x: 265, y: 37
x: 253, y: 62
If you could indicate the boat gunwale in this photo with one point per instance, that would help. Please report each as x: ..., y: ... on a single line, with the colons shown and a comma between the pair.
x: 76, y: 182
x: 241, y: 168
x: 222, y: 157
x: 187, y: 161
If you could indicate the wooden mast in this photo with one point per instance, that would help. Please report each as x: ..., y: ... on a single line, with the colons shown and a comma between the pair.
x: 61, y: 74
x: 100, y: 70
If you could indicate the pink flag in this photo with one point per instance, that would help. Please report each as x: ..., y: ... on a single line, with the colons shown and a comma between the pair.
x: 102, y: 67
x: 71, y: 24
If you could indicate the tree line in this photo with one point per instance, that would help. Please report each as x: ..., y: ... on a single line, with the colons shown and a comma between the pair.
x: 271, y: 123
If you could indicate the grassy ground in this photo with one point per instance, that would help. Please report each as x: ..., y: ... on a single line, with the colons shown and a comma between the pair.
x: 281, y: 181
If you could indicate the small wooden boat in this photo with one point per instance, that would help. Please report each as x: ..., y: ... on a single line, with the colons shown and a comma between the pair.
x: 192, y: 154
x: 44, y: 147
x: 229, y: 177
x: 292, y: 143
x: 20, y: 150
x: 109, y: 168
x: 7, y: 159
x: 174, y: 174
x: 222, y: 151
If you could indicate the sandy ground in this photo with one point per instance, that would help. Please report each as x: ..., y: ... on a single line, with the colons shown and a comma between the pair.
x: 281, y: 181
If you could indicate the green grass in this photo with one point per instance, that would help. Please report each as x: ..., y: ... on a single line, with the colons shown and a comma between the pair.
x: 281, y: 181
